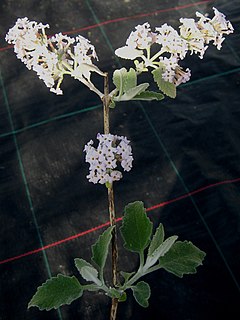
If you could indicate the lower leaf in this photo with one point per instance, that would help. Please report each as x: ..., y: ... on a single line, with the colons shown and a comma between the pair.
x: 56, y: 292
x: 182, y: 258
x: 141, y: 293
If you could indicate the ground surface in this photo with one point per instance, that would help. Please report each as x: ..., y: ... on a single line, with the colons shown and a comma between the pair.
x: 184, y: 147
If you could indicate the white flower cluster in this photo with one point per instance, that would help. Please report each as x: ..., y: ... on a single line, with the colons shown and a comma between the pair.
x: 52, y: 57
x: 111, y: 151
x: 193, y: 36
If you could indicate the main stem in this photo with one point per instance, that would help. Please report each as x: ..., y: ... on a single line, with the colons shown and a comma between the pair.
x: 112, y: 216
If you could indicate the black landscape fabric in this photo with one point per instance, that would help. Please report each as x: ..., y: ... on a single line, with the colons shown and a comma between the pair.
x: 186, y: 158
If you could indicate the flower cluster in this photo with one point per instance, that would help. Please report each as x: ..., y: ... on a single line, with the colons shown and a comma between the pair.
x: 193, y: 36
x: 55, y: 56
x: 111, y: 151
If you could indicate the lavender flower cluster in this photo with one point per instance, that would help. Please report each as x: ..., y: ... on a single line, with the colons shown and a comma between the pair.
x: 112, y: 151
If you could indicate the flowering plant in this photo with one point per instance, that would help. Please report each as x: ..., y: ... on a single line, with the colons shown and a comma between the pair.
x: 53, y: 58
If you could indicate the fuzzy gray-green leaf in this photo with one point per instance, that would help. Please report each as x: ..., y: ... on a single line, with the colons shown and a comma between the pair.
x: 157, y: 239
x: 100, y: 248
x: 160, y: 251
x: 168, y: 88
x: 126, y: 275
x: 136, y: 228
x: 182, y: 258
x: 149, y: 96
x: 141, y: 293
x: 118, y: 79
x: 131, y: 93
x: 56, y: 292
x: 129, y: 80
x: 87, y: 271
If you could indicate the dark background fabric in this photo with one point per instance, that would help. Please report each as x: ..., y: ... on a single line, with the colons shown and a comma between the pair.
x: 180, y: 146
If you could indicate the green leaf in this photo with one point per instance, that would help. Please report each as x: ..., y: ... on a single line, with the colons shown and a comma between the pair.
x: 124, y: 80
x: 141, y: 293
x: 100, y: 249
x: 126, y: 275
x: 129, y: 79
x: 160, y: 251
x: 56, y: 292
x: 126, y: 84
x: 149, y: 96
x: 131, y: 93
x: 87, y: 271
x: 166, y: 87
x: 182, y: 258
x: 157, y: 239
x: 112, y: 104
x: 118, y: 79
x: 123, y: 297
x: 136, y: 228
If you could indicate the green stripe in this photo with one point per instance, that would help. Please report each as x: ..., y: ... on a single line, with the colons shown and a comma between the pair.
x: 62, y: 116
x: 213, y: 76
x: 70, y: 114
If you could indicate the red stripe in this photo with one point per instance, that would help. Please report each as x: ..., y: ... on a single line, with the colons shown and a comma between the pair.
x: 162, y: 204
x: 141, y: 15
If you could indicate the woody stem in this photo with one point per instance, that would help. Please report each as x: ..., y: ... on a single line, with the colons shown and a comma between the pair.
x: 112, y: 216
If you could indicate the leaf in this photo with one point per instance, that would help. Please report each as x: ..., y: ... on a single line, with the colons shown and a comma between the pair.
x: 157, y: 239
x: 141, y: 293
x: 182, y: 258
x: 123, y: 297
x: 129, y: 79
x: 100, y: 249
x: 136, y: 228
x: 124, y: 80
x: 126, y: 275
x: 160, y: 251
x: 166, y: 87
x: 126, y: 84
x: 56, y: 292
x: 87, y: 271
x: 149, y: 96
x: 127, y: 52
x: 112, y: 104
x: 118, y: 79
x: 131, y: 93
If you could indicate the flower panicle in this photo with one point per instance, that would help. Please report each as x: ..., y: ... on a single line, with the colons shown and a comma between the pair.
x: 53, y: 57
x: 193, y: 37
x: 112, y: 153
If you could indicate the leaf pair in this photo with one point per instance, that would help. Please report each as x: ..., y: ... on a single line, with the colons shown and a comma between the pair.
x: 127, y: 88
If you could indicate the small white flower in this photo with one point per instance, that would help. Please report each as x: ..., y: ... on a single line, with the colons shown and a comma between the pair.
x: 171, y: 41
x: 194, y: 37
x: 112, y: 151
x: 220, y: 24
x: 214, y: 29
x: 181, y: 76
